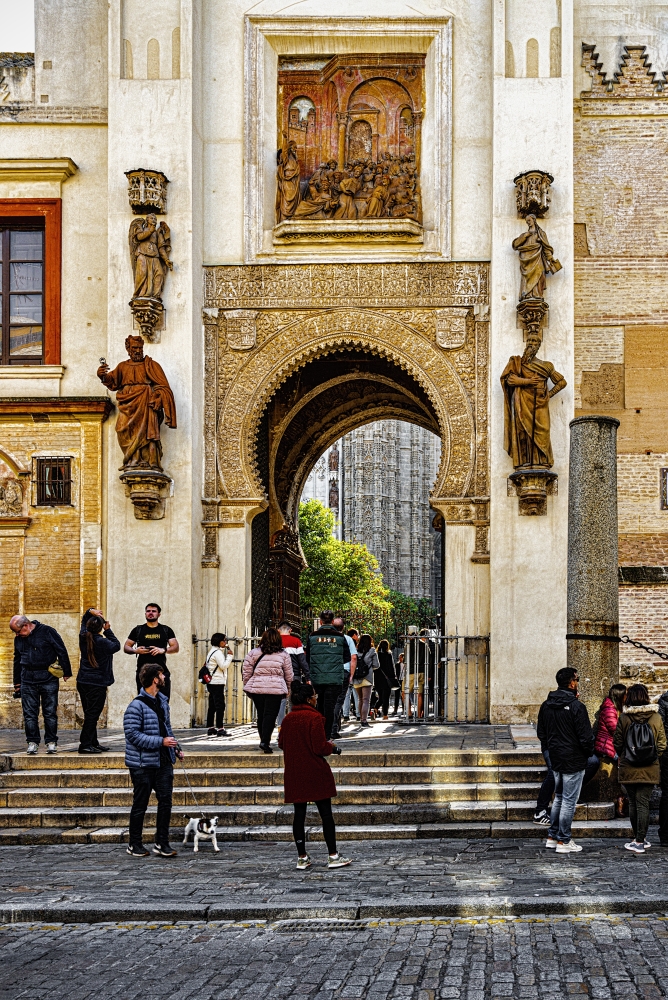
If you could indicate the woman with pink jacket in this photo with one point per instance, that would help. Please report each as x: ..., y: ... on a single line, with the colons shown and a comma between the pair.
x: 608, y: 715
x: 267, y: 675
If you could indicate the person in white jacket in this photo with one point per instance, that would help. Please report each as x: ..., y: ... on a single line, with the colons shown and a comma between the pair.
x: 218, y: 660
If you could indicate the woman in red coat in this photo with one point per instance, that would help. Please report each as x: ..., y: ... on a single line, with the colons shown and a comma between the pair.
x: 307, y: 776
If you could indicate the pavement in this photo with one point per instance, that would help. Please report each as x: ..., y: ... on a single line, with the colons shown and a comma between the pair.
x: 386, y: 880
x: 472, y: 959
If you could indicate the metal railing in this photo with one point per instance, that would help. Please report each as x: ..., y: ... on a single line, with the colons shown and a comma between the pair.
x: 239, y: 709
x: 445, y: 678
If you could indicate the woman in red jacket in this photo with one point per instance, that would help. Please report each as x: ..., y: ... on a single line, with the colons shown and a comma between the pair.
x: 307, y: 777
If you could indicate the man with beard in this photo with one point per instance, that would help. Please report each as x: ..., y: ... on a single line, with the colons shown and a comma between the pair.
x: 527, y: 409
x: 150, y: 753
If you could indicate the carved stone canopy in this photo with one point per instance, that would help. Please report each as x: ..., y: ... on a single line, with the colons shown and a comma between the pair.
x: 147, y: 191
x: 533, y: 193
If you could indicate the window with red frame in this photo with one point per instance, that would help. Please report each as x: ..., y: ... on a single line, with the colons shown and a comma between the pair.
x: 22, y: 294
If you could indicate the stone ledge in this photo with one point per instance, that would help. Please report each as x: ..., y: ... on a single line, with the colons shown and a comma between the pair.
x: 348, y: 231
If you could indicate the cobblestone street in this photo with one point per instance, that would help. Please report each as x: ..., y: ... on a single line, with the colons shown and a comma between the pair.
x: 598, y: 957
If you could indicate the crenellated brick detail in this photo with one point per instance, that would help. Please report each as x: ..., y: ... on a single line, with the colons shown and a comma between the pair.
x: 635, y: 77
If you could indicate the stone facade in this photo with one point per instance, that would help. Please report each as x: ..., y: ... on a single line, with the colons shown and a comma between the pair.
x: 276, y: 348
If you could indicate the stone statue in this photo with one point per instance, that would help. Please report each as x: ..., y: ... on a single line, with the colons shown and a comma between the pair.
x: 536, y: 260
x: 287, y: 180
x: 11, y: 498
x: 526, y: 407
x: 144, y: 399
x: 149, y: 253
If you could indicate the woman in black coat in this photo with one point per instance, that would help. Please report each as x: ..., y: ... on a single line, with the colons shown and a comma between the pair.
x: 385, y: 677
x: 97, y: 645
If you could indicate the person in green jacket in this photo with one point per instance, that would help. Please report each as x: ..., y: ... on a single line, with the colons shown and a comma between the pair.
x: 327, y: 651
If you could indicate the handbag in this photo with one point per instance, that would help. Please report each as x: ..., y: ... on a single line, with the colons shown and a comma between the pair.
x: 56, y: 670
x: 204, y: 676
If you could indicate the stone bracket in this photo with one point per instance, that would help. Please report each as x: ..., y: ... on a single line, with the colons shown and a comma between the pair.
x: 149, y: 316
x: 533, y: 486
x: 147, y: 489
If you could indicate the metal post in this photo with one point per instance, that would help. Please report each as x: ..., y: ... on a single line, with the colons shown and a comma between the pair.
x: 593, y: 601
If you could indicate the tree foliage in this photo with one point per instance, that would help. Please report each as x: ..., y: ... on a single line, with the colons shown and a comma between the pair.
x: 412, y: 610
x: 340, y: 575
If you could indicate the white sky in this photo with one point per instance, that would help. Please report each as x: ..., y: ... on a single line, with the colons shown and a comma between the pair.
x: 17, y: 26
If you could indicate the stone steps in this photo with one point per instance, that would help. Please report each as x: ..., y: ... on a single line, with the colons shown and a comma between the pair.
x: 399, y: 793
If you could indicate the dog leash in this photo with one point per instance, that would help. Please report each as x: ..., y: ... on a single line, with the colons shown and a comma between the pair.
x: 178, y: 747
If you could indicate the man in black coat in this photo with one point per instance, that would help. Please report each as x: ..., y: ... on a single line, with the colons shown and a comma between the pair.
x: 565, y: 733
x: 36, y: 648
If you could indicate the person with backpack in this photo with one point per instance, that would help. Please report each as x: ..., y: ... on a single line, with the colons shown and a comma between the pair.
x: 367, y: 662
x: 215, y: 669
x: 307, y: 777
x: 566, y: 736
x: 639, y: 740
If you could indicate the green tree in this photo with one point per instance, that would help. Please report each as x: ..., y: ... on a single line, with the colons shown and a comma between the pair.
x: 412, y: 610
x: 340, y: 575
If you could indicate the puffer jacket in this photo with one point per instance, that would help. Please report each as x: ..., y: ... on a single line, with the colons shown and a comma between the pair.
x: 273, y: 674
x: 640, y: 713
x: 142, y: 733
x: 605, y: 731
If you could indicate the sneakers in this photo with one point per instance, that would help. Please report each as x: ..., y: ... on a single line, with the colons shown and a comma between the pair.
x: 51, y: 748
x: 647, y: 845
x: 91, y: 749
x: 265, y: 748
x: 32, y: 748
x: 137, y: 851
x: 635, y: 847
x: 569, y: 847
x: 164, y: 850
x: 101, y: 748
x: 365, y: 725
x: 303, y: 863
x: 551, y: 842
x: 212, y: 731
x: 222, y: 732
x: 541, y: 818
x: 337, y: 861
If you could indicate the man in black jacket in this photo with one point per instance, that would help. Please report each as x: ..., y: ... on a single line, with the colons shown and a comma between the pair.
x: 36, y: 648
x: 565, y: 732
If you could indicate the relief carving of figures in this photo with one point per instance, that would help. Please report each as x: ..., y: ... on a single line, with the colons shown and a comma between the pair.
x: 11, y: 498
x: 287, y: 180
x: 144, y: 399
x: 526, y: 407
x: 149, y: 254
x: 536, y: 260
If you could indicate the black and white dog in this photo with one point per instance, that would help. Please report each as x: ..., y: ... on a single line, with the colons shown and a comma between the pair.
x: 204, y: 829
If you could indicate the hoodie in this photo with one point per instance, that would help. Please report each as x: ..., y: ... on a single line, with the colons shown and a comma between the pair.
x: 565, y: 732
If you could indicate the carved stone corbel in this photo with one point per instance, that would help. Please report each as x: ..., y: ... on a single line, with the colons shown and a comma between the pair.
x: 147, y: 489
x: 533, y: 486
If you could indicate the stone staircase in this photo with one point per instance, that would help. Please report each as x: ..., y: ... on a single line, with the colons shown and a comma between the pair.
x: 381, y: 794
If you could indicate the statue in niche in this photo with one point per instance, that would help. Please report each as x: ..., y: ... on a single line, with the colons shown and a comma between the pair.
x: 144, y: 400
x: 334, y: 459
x: 527, y: 409
x: 536, y: 260
x: 149, y: 253
x: 11, y: 498
x: 333, y: 495
x: 287, y: 180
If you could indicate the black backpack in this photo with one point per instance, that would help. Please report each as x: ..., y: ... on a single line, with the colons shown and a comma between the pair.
x: 640, y: 745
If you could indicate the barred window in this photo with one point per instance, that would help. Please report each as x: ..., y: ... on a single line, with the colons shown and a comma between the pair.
x: 54, y: 482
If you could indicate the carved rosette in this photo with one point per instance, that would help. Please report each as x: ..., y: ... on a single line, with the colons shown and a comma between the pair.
x: 147, y: 191
x: 147, y: 489
x: 532, y: 192
x: 532, y: 486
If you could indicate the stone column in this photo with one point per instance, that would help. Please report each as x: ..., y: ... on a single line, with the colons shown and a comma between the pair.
x: 592, y: 596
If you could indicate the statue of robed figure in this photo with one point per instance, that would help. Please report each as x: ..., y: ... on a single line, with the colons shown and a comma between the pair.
x: 537, y: 260
x: 288, y: 191
x: 526, y: 407
x: 144, y: 400
x: 149, y: 252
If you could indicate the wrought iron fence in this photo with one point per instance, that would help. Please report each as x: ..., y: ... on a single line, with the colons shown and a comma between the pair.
x: 444, y: 678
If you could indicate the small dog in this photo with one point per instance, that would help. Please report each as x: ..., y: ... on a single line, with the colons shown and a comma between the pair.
x: 204, y: 829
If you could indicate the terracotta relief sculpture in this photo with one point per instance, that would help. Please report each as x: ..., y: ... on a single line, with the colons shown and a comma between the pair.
x: 144, y: 400
x: 536, y: 260
x: 149, y: 252
x: 526, y: 407
x: 350, y: 144
x: 11, y: 498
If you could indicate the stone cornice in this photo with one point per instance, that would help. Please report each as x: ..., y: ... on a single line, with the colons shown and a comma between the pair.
x: 51, y: 170
x: 12, y: 406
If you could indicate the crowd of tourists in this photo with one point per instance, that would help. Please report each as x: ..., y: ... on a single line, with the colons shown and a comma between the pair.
x: 311, y: 692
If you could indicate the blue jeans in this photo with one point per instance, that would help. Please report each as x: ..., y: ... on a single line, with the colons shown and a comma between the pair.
x: 547, y: 788
x: 566, y: 791
x: 39, y: 686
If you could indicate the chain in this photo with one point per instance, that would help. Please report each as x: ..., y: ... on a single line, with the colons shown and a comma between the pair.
x: 639, y: 645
